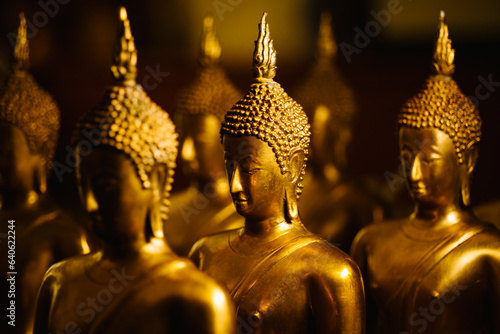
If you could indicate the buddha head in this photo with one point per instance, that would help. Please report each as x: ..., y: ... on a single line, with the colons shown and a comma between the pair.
x: 29, y: 125
x: 329, y: 104
x: 125, y: 178
x: 266, y: 138
x: 439, y: 131
x: 200, y: 110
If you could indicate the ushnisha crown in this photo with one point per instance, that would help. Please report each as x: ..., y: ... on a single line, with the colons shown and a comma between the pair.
x: 267, y: 112
x: 325, y: 84
x: 211, y: 93
x: 23, y: 103
x: 441, y: 104
x: 127, y: 119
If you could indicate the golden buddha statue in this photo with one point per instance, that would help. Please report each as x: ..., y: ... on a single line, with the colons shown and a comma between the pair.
x: 282, y: 278
x: 136, y: 284
x: 332, y: 205
x: 437, y: 271
x: 34, y: 232
x: 205, y: 207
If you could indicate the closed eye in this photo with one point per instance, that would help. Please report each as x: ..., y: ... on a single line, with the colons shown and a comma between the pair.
x: 252, y: 171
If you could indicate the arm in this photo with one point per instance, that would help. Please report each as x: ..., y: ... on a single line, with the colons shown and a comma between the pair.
x: 494, y: 287
x: 358, y: 253
x: 195, y: 253
x: 337, y: 300
x: 213, y: 311
x: 43, y: 305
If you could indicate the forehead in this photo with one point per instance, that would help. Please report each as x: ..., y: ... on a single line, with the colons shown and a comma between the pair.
x: 196, y: 123
x: 11, y: 136
x: 109, y: 159
x: 242, y: 146
x: 425, y: 138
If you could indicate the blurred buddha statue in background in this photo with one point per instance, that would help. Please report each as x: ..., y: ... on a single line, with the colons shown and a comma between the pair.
x: 489, y: 211
x: 206, y: 206
x: 136, y: 284
x: 282, y: 278
x: 332, y: 205
x: 438, y: 270
x: 40, y: 234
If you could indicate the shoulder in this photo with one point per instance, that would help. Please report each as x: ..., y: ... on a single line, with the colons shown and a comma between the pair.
x: 372, y: 232
x: 212, y: 243
x: 190, y: 285
x: 333, y: 262
x: 485, y: 244
x: 68, y: 269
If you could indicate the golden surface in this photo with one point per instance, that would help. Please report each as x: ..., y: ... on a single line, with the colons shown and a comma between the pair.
x: 435, y: 271
x: 135, y: 284
x: 29, y: 126
x: 441, y: 104
x: 282, y: 278
x: 206, y: 206
x: 129, y: 121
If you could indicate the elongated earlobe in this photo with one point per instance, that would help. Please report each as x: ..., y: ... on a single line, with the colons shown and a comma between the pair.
x: 40, y: 176
x: 155, y: 214
x: 465, y: 191
x: 293, y: 177
x: 471, y: 155
x: 291, y: 204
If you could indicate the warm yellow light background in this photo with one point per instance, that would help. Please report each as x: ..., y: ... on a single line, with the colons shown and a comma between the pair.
x: 236, y: 21
x: 470, y: 21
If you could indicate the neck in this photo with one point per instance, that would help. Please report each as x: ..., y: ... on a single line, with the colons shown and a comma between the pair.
x: 437, y: 217
x: 266, y: 229
x: 133, y: 249
x: 18, y: 200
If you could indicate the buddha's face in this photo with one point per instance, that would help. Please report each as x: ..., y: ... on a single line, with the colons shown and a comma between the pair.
x: 327, y: 145
x: 17, y: 162
x: 201, y: 150
x: 431, y: 166
x: 112, y: 195
x: 256, y: 183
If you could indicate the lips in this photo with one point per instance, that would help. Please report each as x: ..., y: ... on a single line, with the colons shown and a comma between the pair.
x: 239, y: 199
x: 418, y: 190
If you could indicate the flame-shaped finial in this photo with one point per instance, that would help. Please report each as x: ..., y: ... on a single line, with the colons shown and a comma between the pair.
x: 327, y: 46
x: 21, y: 50
x: 210, y: 47
x: 443, y: 54
x: 124, y: 63
x: 264, y: 57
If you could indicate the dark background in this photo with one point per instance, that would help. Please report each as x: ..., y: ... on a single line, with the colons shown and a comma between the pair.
x: 71, y: 52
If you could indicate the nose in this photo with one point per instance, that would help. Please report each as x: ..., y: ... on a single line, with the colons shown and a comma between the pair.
x: 187, y: 152
x: 416, y: 169
x: 235, y: 182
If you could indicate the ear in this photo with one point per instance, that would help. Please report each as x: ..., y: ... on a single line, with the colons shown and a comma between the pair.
x: 158, y: 178
x: 470, y: 158
x: 295, y: 166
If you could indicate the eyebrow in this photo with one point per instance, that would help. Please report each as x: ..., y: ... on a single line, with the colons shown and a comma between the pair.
x: 250, y: 158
